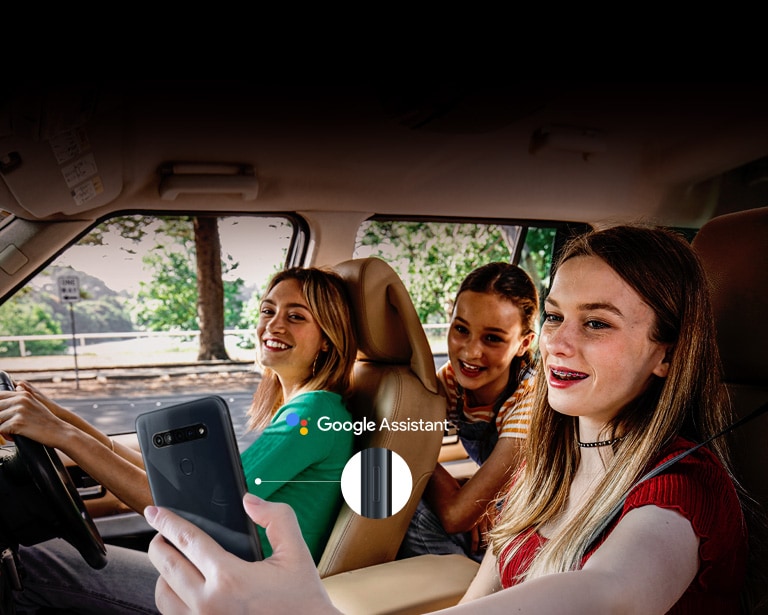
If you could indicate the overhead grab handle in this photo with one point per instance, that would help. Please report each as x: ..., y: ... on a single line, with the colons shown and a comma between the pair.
x: 207, y: 178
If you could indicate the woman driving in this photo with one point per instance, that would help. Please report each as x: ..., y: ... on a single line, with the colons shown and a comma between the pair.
x: 307, y: 349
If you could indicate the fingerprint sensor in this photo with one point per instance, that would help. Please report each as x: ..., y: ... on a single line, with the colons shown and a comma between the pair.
x: 187, y: 466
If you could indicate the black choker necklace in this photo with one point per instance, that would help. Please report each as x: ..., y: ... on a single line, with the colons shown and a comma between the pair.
x: 601, y: 443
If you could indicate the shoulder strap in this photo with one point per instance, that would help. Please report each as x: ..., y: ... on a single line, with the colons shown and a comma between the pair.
x: 616, y: 510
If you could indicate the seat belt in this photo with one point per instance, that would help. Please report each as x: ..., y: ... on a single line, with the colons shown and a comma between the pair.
x: 616, y: 510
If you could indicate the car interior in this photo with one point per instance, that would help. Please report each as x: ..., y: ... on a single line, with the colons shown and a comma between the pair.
x: 560, y: 155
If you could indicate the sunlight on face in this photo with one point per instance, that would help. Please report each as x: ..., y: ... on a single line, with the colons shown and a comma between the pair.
x: 596, y: 344
x: 484, y: 337
x: 290, y: 338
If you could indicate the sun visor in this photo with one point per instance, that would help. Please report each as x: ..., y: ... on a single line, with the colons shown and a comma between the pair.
x: 57, y: 155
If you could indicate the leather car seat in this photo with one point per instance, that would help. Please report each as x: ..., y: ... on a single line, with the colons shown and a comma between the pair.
x: 393, y: 378
x: 734, y: 251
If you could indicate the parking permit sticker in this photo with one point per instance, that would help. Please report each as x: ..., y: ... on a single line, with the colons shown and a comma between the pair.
x: 69, y: 144
x: 87, y: 190
x: 79, y: 170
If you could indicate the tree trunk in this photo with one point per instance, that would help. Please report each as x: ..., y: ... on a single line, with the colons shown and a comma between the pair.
x: 210, y: 290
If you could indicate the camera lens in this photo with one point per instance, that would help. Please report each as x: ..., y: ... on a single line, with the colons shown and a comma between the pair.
x: 168, y: 438
x: 158, y: 440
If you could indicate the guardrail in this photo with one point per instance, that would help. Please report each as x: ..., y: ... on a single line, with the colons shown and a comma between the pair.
x: 82, y: 338
x: 435, y: 334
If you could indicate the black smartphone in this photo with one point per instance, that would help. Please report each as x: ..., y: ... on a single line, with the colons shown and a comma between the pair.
x: 194, y: 468
x: 376, y: 483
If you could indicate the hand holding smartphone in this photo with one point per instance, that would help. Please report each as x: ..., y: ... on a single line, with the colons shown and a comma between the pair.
x: 193, y: 466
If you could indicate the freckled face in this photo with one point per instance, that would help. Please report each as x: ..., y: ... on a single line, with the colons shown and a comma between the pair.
x: 485, y: 335
x: 290, y: 338
x: 596, y: 344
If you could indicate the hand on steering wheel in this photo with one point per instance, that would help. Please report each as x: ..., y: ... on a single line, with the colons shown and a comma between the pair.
x: 40, y: 500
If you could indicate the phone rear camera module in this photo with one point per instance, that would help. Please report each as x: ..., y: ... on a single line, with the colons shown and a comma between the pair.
x: 178, y: 436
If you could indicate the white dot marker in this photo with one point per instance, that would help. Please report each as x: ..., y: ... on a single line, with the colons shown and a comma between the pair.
x: 257, y: 481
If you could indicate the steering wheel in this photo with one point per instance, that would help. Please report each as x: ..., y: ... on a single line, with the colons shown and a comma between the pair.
x: 40, y: 501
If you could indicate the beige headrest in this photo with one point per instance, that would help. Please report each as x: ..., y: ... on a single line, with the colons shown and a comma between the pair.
x: 388, y: 327
x: 734, y: 251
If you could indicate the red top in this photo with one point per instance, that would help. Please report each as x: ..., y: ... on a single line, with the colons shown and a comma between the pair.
x: 699, y: 488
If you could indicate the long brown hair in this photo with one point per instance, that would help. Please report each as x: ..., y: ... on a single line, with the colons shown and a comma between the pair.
x: 691, y: 401
x: 327, y: 300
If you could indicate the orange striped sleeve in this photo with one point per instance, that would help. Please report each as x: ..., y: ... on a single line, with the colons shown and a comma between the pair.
x: 514, y: 417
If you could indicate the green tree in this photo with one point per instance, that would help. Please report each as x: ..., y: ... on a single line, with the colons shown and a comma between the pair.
x: 200, y: 237
x: 536, y: 255
x: 170, y: 301
x: 18, y: 316
x: 433, y: 258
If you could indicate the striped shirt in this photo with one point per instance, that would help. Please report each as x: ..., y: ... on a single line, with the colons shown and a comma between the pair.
x: 514, y: 416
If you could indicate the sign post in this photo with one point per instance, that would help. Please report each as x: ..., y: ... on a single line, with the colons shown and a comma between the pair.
x: 69, y: 292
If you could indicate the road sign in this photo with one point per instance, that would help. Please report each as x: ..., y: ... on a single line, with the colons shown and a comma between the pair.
x: 69, y: 289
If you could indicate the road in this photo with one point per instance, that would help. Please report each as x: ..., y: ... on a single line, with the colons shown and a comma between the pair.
x: 114, y: 415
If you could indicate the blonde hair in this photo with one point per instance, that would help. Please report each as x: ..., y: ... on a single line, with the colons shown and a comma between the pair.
x: 326, y: 297
x: 691, y: 401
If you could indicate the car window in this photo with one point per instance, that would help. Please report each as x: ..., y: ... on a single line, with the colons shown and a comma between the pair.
x: 112, y: 327
x: 433, y: 257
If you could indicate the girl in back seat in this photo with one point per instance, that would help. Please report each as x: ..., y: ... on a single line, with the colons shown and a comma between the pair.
x: 487, y: 383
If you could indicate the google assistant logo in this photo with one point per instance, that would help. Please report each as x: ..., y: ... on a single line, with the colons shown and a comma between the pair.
x: 293, y: 419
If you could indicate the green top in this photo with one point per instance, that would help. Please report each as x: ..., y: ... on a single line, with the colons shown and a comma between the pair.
x: 301, y: 465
